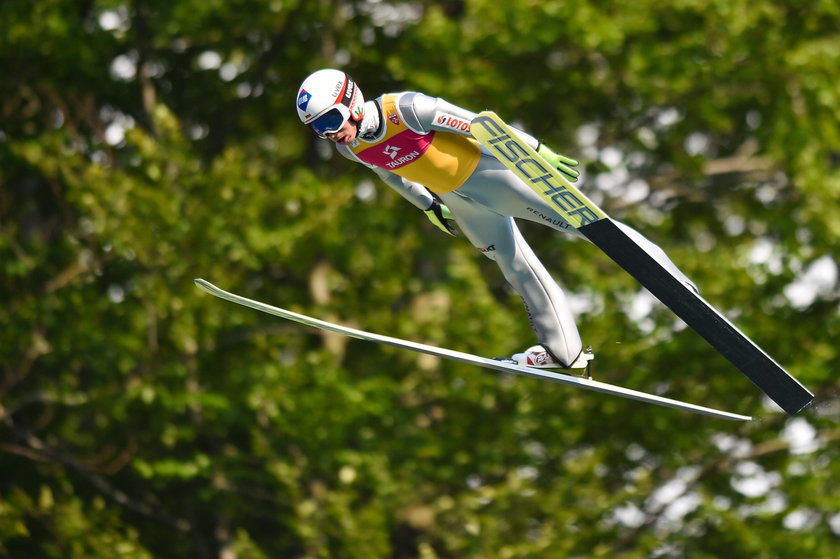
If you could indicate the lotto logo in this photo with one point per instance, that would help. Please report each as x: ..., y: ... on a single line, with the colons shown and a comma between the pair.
x: 451, y: 122
x: 394, y: 118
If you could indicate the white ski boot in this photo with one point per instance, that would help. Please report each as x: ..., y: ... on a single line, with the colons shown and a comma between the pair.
x: 538, y: 358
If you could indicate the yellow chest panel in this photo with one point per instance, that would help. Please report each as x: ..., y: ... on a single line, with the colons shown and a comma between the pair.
x: 440, y: 161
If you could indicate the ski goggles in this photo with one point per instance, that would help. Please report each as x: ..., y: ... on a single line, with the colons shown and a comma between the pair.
x: 331, y: 121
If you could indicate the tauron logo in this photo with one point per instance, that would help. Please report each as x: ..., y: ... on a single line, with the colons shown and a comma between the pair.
x: 407, y: 158
x: 391, y: 151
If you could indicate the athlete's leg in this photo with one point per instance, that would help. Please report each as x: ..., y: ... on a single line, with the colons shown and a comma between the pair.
x: 498, y: 238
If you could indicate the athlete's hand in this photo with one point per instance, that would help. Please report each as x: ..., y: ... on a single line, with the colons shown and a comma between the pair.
x: 439, y: 214
x: 565, y: 165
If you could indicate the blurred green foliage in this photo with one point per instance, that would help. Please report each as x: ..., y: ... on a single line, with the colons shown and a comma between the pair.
x: 146, y: 143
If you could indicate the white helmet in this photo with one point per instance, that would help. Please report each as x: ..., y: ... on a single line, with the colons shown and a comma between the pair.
x: 327, y: 99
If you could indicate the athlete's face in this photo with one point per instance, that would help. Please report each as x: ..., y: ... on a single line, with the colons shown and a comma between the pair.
x: 345, y: 134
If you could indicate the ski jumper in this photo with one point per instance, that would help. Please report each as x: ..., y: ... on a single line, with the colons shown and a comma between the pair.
x: 417, y: 144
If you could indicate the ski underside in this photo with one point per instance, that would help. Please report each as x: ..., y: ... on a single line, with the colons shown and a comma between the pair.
x: 562, y: 378
x: 604, y: 233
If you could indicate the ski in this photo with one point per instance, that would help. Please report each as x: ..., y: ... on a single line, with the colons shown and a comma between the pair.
x: 567, y: 379
x: 597, y: 226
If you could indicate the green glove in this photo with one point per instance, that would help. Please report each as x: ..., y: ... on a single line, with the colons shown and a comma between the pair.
x: 563, y: 164
x: 438, y: 214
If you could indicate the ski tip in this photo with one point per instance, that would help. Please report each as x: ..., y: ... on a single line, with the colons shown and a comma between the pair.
x: 203, y: 284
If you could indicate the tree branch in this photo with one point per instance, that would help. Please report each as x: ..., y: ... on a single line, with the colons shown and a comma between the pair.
x: 37, y: 449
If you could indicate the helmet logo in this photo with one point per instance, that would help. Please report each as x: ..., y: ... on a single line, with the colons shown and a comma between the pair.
x: 391, y: 151
x: 303, y: 99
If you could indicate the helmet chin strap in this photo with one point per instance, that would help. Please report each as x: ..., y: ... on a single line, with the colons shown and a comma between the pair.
x: 369, y: 125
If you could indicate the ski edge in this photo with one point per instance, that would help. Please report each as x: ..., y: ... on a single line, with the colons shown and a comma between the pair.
x: 463, y: 357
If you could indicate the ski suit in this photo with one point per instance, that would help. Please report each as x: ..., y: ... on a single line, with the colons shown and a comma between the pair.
x: 417, y: 144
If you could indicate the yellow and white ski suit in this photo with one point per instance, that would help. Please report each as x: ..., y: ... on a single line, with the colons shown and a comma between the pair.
x: 417, y: 144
